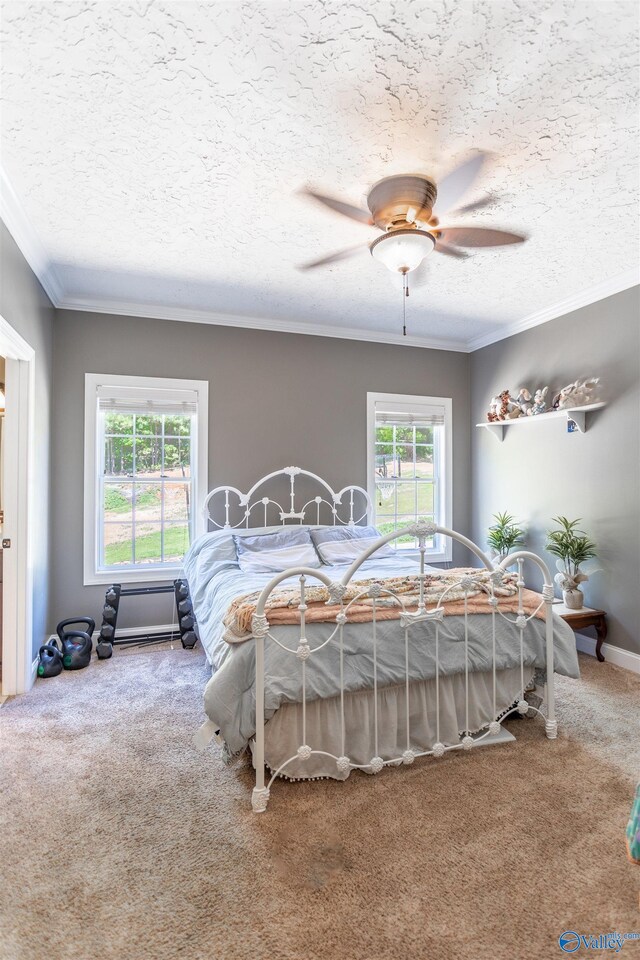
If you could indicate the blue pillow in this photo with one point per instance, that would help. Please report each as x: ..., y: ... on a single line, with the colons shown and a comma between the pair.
x: 275, y: 552
x: 340, y: 545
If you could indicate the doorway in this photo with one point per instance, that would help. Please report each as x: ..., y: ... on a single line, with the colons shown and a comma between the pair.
x: 16, y: 460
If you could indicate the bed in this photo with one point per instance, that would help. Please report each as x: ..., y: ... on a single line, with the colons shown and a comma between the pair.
x: 367, y: 658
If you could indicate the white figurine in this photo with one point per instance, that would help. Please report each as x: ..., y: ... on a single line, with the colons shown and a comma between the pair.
x: 539, y: 404
x: 494, y: 407
x: 578, y: 393
x: 524, y: 401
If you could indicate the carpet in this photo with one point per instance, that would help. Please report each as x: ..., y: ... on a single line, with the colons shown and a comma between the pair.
x: 120, y: 841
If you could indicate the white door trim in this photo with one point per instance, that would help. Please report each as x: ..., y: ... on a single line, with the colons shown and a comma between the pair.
x: 17, y: 608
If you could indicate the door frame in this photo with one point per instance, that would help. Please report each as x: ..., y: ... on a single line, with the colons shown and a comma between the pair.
x: 18, y: 673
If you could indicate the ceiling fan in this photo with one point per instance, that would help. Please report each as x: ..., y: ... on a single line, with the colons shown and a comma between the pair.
x: 408, y: 209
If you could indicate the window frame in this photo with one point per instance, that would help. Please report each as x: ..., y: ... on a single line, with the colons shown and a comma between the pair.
x: 92, y: 574
x: 445, y: 506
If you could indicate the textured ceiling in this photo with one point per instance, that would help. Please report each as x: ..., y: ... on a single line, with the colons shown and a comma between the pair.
x: 157, y: 147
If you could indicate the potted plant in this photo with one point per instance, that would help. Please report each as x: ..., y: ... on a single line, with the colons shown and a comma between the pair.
x: 572, y: 547
x: 503, y: 535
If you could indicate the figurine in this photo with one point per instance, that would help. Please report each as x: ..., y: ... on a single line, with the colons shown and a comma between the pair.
x: 507, y: 409
x: 555, y: 403
x: 539, y: 404
x: 577, y: 394
x: 492, y: 415
x: 524, y: 401
x: 502, y: 405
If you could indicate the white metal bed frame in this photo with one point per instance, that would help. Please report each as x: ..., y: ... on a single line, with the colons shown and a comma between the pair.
x: 408, y: 618
x: 342, y: 505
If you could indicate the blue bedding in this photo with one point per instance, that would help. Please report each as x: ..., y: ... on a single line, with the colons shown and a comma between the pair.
x: 215, y: 580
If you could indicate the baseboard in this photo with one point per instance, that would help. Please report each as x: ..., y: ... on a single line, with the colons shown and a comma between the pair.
x: 34, y: 671
x: 135, y: 631
x: 616, y: 655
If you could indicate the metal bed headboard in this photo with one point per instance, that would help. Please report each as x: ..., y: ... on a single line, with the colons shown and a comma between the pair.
x: 348, y: 507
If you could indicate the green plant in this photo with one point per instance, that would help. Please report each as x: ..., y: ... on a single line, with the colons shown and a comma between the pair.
x: 503, y: 535
x: 570, y: 544
x: 572, y: 547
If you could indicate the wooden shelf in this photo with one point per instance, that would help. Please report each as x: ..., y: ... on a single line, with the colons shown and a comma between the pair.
x: 577, y: 414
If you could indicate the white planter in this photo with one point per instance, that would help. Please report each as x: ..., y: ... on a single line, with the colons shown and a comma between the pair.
x: 573, y: 599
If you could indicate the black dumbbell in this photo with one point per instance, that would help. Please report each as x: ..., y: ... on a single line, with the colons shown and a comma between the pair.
x: 109, y: 613
x: 104, y: 648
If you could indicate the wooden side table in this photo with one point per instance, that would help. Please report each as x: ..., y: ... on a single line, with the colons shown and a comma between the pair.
x: 586, y: 617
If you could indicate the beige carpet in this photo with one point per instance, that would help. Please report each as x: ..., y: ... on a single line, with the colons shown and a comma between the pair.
x: 119, y: 841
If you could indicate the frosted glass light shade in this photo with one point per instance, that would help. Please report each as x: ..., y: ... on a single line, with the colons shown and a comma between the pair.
x: 402, y: 250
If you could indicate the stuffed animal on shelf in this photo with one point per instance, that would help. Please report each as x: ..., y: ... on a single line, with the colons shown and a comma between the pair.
x: 492, y: 415
x: 507, y: 408
x: 539, y: 403
x: 524, y: 401
x: 562, y: 395
x: 576, y: 394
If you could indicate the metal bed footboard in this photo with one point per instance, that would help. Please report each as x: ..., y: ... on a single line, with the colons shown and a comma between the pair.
x: 408, y: 618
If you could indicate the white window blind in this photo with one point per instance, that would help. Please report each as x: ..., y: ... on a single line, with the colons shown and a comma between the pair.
x: 414, y: 415
x: 144, y: 400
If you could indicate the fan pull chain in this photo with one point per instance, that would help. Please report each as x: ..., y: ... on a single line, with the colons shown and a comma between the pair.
x: 405, y: 294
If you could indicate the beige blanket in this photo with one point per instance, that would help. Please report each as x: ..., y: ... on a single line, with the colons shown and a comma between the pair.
x: 282, y: 604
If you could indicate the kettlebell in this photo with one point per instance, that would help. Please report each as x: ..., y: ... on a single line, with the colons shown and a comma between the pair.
x: 49, y: 659
x: 76, y: 644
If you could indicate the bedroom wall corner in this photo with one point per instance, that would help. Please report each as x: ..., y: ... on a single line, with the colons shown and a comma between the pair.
x: 541, y: 470
x: 26, y: 307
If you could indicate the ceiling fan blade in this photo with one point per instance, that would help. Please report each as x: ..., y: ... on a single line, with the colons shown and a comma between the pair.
x: 478, y: 237
x: 333, y: 257
x: 346, y: 209
x: 476, y: 205
x: 452, y: 188
x: 441, y: 247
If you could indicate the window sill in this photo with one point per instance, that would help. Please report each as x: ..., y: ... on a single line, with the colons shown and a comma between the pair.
x: 107, y: 577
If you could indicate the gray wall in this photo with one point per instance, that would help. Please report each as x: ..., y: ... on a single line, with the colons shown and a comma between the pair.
x: 273, y: 402
x: 24, y: 304
x: 540, y: 471
x: 275, y: 399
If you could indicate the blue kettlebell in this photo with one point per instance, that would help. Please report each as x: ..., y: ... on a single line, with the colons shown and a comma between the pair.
x: 76, y: 644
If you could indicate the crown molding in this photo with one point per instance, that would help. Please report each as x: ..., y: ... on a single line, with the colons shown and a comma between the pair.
x: 22, y: 231
x: 28, y: 241
x: 606, y: 288
x: 186, y: 315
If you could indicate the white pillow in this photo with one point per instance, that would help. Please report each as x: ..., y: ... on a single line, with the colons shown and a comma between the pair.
x: 340, y: 545
x: 275, y: 552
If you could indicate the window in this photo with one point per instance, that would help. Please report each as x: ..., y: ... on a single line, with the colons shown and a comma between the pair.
x: 145, y: 474
x: 409, y: 466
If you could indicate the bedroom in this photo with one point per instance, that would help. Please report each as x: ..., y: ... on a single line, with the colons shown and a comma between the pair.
x: 155, y: 157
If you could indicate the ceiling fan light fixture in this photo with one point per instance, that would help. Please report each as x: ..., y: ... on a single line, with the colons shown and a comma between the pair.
x: 402, y: 251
